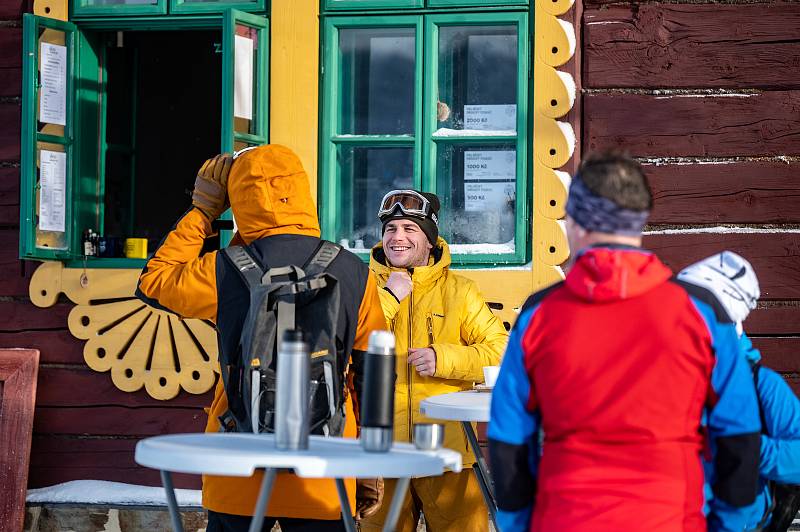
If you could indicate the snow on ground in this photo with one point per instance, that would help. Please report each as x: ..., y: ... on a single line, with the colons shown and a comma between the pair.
x: 114, y: 493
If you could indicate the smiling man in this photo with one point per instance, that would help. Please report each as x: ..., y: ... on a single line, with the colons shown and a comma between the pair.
x: 445, y: 335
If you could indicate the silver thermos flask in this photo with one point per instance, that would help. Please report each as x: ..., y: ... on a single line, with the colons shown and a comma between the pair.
x: 291, y: 396
x: 377, y: 402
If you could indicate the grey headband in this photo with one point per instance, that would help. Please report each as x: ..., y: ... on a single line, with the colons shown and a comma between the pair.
x: 596, y: 213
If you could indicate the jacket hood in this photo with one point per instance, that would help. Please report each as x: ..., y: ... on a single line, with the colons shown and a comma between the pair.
x: 422, y: 274
x: 270, y: 194
x: 613, y: 273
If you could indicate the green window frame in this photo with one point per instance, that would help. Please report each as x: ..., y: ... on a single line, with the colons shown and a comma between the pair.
x: 83, y: 137
x: 80, y: 9
x: 425, y: 142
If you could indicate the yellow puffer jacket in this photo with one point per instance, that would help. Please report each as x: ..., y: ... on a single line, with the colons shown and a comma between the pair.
x: 447, y: 312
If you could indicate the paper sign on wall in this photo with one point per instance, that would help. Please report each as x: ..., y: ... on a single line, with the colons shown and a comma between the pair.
x: 53, y: 191
x: 53, y: 92
x: 490, y: 117
x: 489, y: 179
x: 243, y: 78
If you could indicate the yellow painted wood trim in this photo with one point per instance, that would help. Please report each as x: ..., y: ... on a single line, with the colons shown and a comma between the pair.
x: 139, y: 345
x: 56, y: 9
x: 553, y: 141
x: 508, y: 287
x: 294, y: 80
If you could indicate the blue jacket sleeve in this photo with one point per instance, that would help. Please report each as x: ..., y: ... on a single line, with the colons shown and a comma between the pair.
x: 513, y: 437
x: 780, y: 445
x: 734, y: 425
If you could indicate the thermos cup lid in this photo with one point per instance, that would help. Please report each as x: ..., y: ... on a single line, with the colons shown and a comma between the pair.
x: 293, y: 335
x: 381, y: 341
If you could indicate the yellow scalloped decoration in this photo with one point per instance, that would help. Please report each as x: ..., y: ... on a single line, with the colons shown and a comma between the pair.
x: 553, y: 141
x: 56, y: 9
x: 139, y: 345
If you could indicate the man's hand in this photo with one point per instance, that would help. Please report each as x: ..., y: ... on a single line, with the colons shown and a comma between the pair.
x: 423, y: 360
x: 400, y: 284
x: 210, y: 193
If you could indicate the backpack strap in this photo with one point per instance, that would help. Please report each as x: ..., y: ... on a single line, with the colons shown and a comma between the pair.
x: 322, y: 258
x: 248, y: 269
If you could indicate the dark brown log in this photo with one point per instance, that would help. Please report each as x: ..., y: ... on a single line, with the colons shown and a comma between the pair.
x: 693, y: 46
x: 55, y: 347
x: 774, y: 256
x: 10, y: 113
x: 781, y: 354
x: 10, y: 61
x: 11, y: 84
x: 763, y: 124
x: 13, y: 9
x: 120, y: 421
x: 737, y: 192
x: 12, y: 280
x: 9, y: 195
x: 57, y: 459
x: 781, y: 319
x: 18, y: 369
x: 18, y: 316
x: 82, y: 387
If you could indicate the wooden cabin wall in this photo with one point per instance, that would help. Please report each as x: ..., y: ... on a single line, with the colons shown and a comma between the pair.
x: 707, y: 94
x: 84, y: 427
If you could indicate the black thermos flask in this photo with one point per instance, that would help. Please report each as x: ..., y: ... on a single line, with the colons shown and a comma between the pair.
x: 377, y: 401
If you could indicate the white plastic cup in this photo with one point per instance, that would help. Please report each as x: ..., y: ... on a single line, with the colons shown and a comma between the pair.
x: 490, y: 374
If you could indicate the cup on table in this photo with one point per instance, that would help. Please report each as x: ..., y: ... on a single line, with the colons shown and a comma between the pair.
x: 428, y: 436
x: 490, y: 374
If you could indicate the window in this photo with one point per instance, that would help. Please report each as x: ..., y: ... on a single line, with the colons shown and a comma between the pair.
x: 115, y: 124
x: 434, y: 101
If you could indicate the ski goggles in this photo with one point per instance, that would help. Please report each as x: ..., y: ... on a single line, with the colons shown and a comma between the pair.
x: 237, y: 154
x: 410, y: 202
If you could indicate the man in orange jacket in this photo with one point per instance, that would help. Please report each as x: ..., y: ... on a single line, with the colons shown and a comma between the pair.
x: 270, y: 196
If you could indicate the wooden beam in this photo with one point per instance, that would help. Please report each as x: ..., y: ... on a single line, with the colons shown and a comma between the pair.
x: 692, y: 125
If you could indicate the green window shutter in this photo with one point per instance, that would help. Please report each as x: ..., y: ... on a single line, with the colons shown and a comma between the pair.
x: 48, y: 139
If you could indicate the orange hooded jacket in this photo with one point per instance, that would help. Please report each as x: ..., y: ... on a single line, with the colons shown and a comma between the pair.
x: 270, y: 195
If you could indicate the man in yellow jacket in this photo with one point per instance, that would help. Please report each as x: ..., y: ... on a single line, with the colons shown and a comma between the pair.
x: 445, y: 335
x: 271, y: 200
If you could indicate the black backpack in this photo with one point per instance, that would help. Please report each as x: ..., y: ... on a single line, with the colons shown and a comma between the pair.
x: 291, y: 297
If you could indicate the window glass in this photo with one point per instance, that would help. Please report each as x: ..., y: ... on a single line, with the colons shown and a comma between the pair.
x: 366, y: 174
x: 119, y: 2
x: 477, y: 71
x: 377, y: 81
x: 477, y: 187
x: 246, y: 81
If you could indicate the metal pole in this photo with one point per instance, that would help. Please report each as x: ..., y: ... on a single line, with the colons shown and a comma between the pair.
x: 481, y: 472
x: 399, y: 496
x: 172, y: 502
x: 347, y: 513
x: 263, y: 496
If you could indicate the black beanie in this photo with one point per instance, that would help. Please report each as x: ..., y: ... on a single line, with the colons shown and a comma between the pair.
x: 429, y: 224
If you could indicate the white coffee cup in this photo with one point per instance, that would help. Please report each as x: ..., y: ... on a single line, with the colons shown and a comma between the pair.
x: 490, y: 374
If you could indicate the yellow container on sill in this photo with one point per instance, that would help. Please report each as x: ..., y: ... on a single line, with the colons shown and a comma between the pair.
x: 136, y: 248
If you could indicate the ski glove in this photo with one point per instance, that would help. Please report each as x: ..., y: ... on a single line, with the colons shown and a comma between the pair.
x: 210, y: 193
x: 369, y: 497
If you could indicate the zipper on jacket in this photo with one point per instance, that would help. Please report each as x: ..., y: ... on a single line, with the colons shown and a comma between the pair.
x: 430, y: 330
x: 409, y: 370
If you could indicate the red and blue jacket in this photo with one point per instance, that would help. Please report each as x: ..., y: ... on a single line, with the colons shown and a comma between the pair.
x: 615, y: 367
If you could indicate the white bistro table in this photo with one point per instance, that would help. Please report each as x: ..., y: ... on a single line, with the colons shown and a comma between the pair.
x: 240, y: 455
x: 467, y: 407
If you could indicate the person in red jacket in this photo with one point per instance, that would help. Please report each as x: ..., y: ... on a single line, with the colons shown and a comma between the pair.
x: 617, y: 365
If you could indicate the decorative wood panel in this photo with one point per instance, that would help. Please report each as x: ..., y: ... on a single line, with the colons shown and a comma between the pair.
x: 139, y: 345
x: 774, y: 256
x: 745, y: 192
x: 690, y: 46
x: 553, y: 140
x: 57, y: 459
x: 692, y: 125
x: 18, y: 369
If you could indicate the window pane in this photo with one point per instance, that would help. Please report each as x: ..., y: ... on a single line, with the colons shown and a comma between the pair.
x: 245, y: 80
x: 53, y: 71
x: 119, y: 2
x: 478, y: 78
x: 477, y: 187
x: 377, y: 81
x: 366, y: 175
x: 51, y: 196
